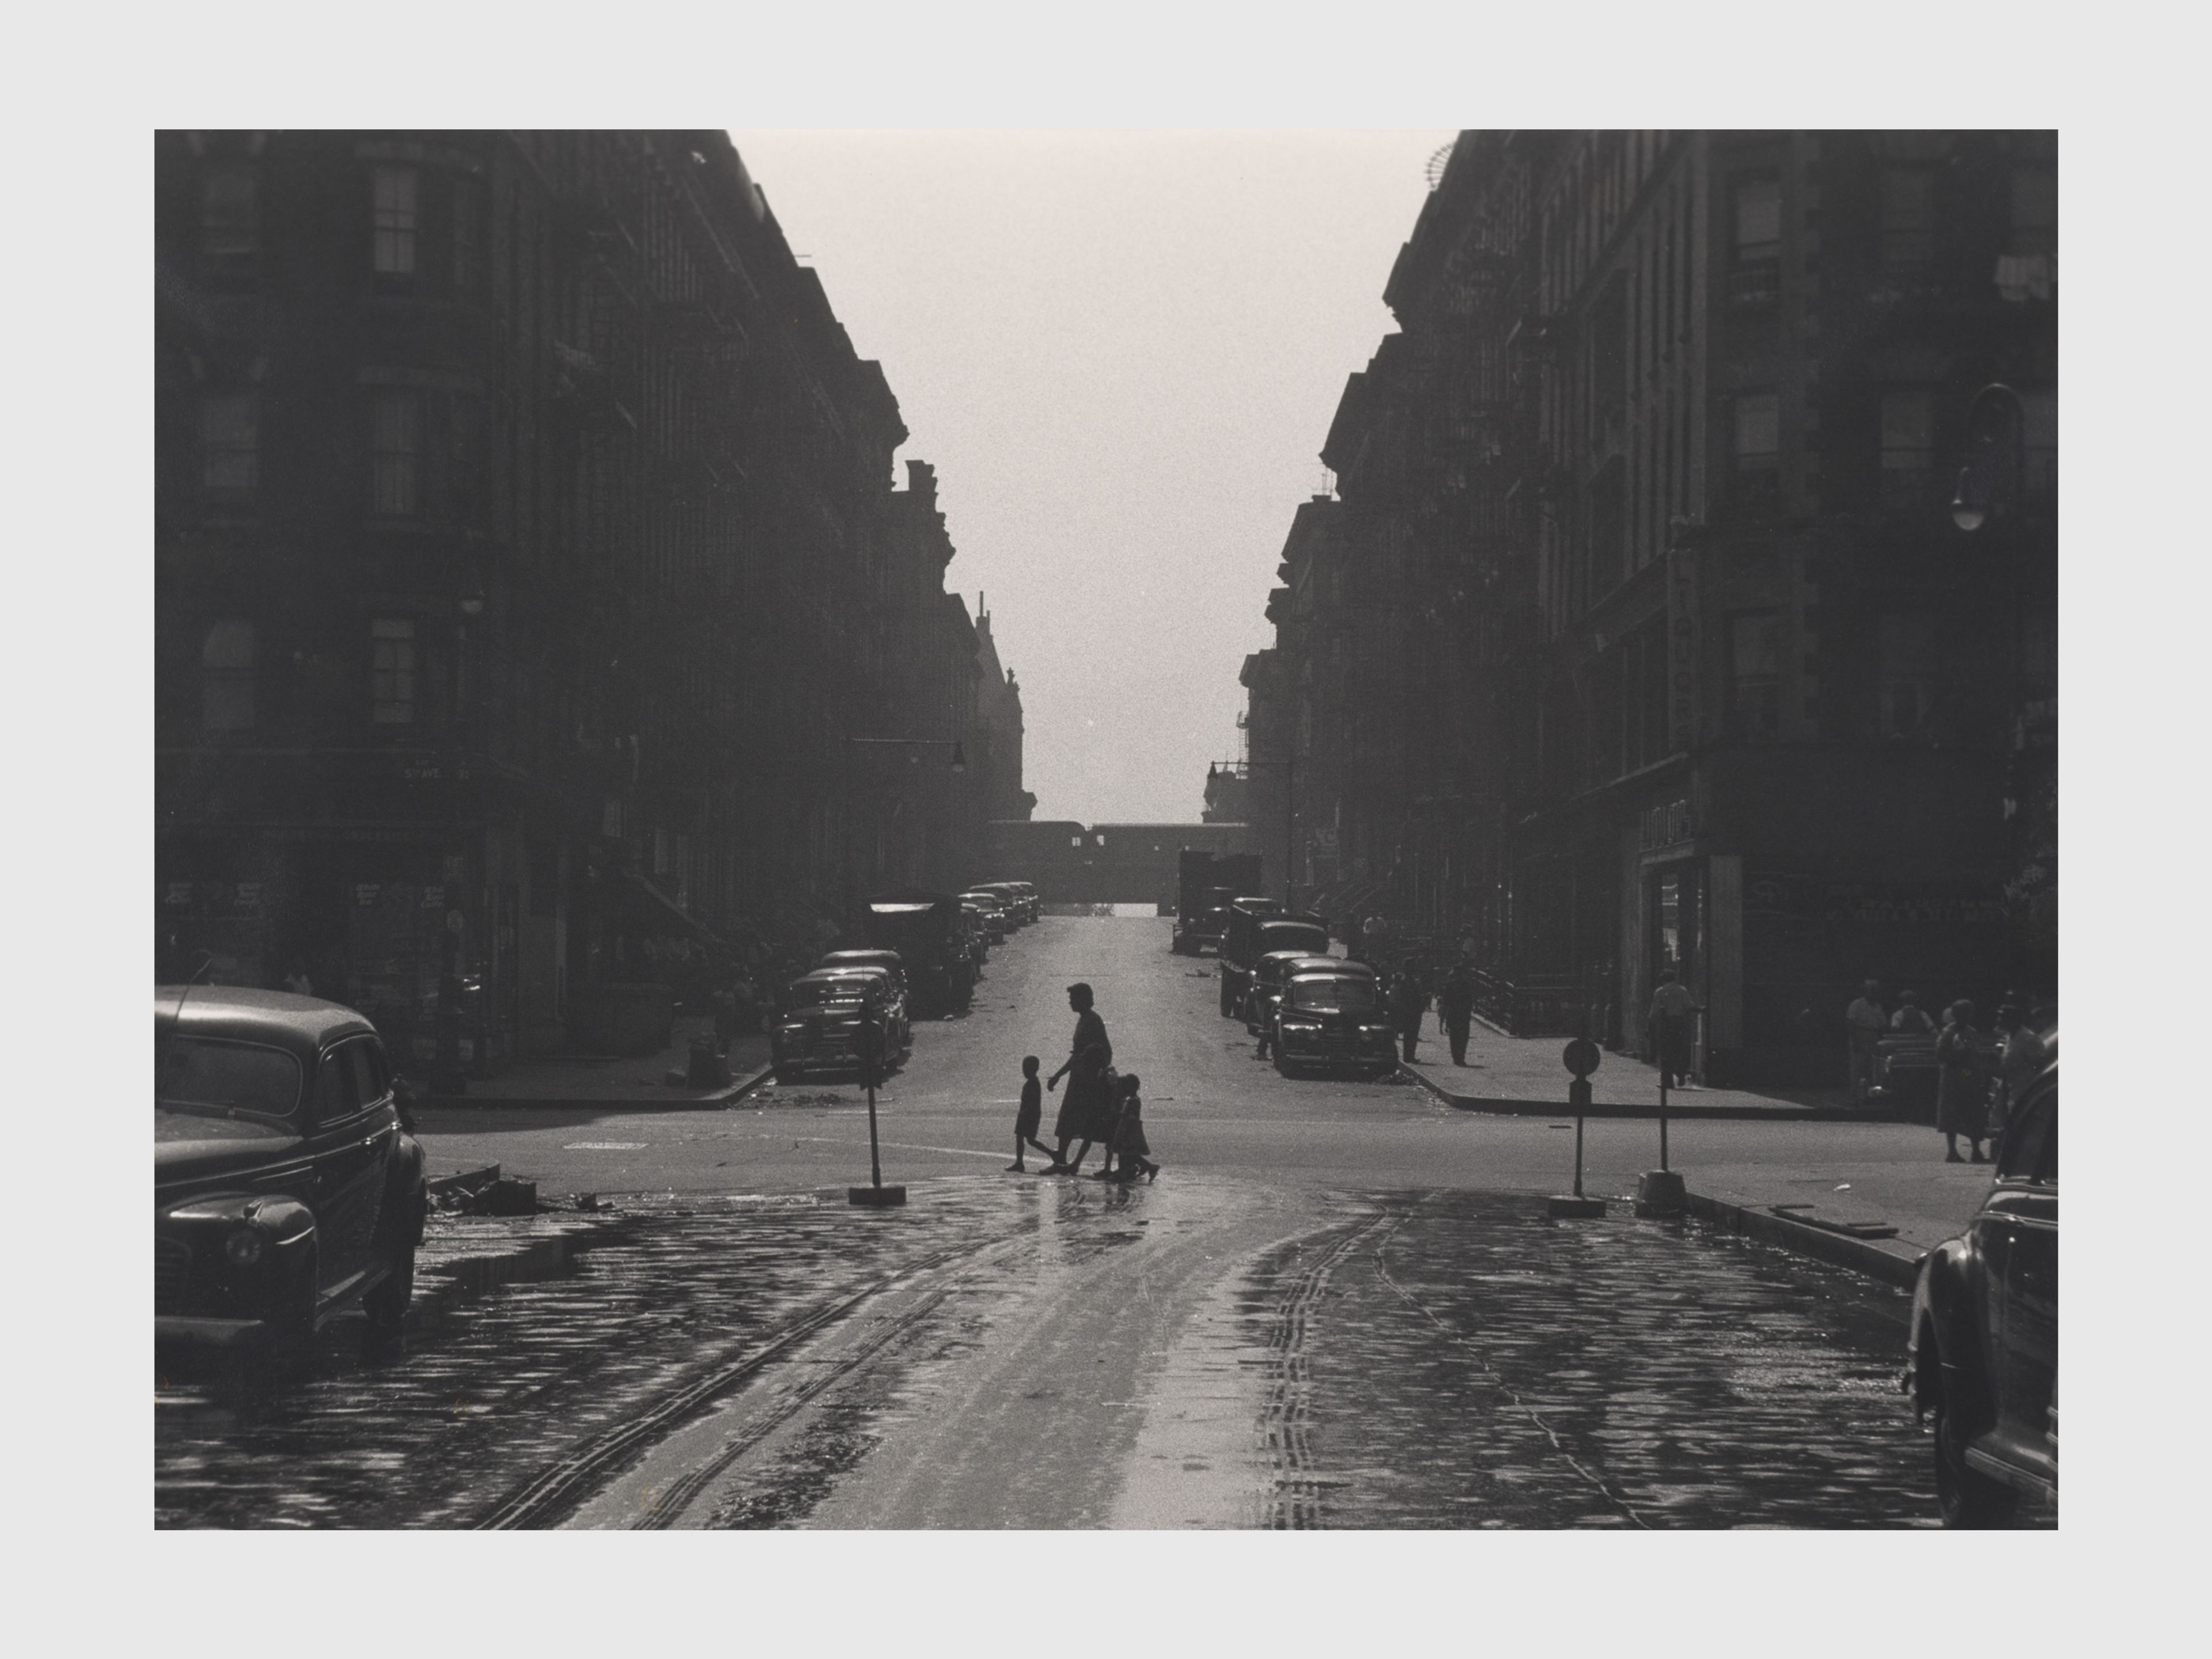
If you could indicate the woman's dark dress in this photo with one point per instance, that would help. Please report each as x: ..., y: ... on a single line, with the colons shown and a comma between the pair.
x: 1086, y: 1110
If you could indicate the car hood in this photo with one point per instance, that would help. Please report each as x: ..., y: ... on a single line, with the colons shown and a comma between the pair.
x: 189, y: 1147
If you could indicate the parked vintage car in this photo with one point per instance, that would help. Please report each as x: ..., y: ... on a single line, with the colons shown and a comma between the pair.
x: 1333, y: 1020
x: 897, y: 1021
x: 825, y: 1017
x: 1982, y: 1361
x: 287, y: 1188
x: 1264, y: 990
x: 1009, y: 894
x: 993, y: 911
x: 977, y: 924
x: 1256, y: 927
x: 889, y: 961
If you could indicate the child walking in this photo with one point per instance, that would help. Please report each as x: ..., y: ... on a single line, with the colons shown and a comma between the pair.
x: 1130, y: 1136
x: 1029, y: 1118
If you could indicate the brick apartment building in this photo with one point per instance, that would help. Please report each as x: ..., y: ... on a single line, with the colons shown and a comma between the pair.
x: 525, y: 551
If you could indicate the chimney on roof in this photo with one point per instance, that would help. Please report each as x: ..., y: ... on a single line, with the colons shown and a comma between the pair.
x: 922, y: 479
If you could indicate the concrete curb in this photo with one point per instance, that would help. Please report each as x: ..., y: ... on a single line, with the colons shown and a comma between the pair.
x: 1889, y: 1259
x: 721, y: 1097
x: 1687, y: 1112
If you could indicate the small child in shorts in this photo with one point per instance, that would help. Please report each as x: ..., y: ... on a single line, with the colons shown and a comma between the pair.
x: 1129, y: 1135
x: 1029, y: 1118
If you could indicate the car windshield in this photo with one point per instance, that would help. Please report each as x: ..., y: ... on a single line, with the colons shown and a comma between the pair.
x: 1294, y: 936
x: 1332, y: 995
x: 203, y: 1074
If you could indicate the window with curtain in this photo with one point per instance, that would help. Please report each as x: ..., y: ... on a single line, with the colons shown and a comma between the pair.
x: 227, y: 664
x: 396, y: 453
x: 391, y: 677
x: 230, y: 463
x: 394, y: 220
x: 230, y: 219
x: 1908, y: 445
x: 1908, y: 218
x: 1754, y: 683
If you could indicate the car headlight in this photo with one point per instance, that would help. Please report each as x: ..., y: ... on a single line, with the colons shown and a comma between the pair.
x: 245, y: 1245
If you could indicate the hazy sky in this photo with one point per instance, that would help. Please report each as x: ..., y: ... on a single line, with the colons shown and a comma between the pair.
x: 1122, y: 351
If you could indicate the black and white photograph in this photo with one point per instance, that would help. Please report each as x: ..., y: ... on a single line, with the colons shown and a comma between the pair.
x: 962, y: 811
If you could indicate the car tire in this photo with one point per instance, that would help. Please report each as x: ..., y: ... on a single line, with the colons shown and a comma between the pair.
x: 1966, y: 1499
x: 1228, y: 997
x: 386, y: 1306
x: 1283, y: 1067
x: 786, y: 1074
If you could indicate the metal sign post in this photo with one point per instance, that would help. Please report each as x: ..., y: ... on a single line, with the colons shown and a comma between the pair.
x: 1659, y: 1191
x: 1580, y: 1058
x: 875, y: 1194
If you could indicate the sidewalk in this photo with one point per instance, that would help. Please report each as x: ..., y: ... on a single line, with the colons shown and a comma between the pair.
x: 603, y: 1083
x: 1524, y: 1076
x: 1864, y: 1193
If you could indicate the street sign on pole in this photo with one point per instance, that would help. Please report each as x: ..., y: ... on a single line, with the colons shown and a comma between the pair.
x: 875, y: 1194
x: 1580, y: 1057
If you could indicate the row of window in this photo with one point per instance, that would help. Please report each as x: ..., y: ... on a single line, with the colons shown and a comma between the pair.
x: 1906, y: 428
x: 1911, y: 218
x: 399, y: 225
x: 229, y: 670
x: 230, y: 448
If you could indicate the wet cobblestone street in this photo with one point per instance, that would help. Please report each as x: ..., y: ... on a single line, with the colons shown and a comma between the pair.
x: 1440, y: 1360
x: 653, y: 1297
x: 1471, y: 1364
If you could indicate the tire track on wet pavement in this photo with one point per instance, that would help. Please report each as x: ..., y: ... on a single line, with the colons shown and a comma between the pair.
x: 1284, y: 1421
x: 578, y: 1476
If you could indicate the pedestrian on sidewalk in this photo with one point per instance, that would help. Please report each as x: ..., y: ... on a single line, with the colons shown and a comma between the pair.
x: 1129, y: 1135
x: 1864, y: 1021
x: 1456, y: 1010
x: 1028, y: 1117
x: 1911, y: 1019
x: 1087, y: 1104
x: 1666, y: 1029
x: 1409, y: 1000
x: 1962, y: 1083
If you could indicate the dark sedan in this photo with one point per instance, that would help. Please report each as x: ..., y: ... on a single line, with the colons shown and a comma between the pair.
x: 287, y: 1187
x: 1984, y: 1359
x: 1264, y: 994
x: 827, y: 1021
x: 1334, y: 1021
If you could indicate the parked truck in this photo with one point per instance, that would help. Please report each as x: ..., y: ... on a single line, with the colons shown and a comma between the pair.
x: 1206, y: 885
x: 931, y: 936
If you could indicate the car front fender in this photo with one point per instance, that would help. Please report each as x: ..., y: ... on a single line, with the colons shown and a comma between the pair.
x: 1943, y: 1331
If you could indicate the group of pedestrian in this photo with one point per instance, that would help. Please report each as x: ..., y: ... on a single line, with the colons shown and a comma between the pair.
x: 1407, y: 991
x: 1979, y: 1077
x: 1100, y: 1106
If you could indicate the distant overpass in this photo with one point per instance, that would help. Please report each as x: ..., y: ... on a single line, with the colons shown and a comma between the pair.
x: 1073, y: 862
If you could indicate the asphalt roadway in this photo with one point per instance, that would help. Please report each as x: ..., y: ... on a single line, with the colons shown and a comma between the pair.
x: 1210, y: 1106
x: 1340, y: 1305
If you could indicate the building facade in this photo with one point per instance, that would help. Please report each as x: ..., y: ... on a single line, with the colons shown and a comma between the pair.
x: 526, y: 553
x: 1653, y: 495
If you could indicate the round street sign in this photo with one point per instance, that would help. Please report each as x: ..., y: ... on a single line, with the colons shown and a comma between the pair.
x: 1581, y: 1056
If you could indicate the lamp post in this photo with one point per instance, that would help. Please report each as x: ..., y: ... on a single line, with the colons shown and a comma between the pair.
x: 875, y: 1194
